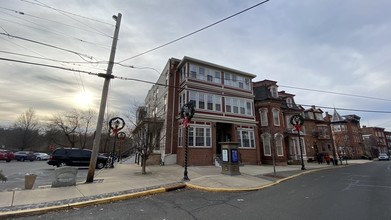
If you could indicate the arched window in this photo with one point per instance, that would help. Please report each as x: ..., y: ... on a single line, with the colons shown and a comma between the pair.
x: 279, y: 146
x: 276, y: 117
x: 266, y: 144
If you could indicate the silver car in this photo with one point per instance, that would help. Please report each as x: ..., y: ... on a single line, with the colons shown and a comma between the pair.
x: 41, y: 156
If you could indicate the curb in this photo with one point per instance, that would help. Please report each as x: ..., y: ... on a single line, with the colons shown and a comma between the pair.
x: 36, y: 211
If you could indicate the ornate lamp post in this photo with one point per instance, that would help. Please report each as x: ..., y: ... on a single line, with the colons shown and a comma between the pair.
x: 297, y: 121
x: 186, y: 114
x: 116, y: 124
x: 121, y: 137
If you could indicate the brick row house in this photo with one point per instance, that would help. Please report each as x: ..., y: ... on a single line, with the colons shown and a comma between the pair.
x: 230, y: 107
x: 376, y: 140
x: 224, y: 105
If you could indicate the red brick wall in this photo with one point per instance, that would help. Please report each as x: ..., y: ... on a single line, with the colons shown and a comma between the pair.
x: 248, y: 156
x: 196, y: 156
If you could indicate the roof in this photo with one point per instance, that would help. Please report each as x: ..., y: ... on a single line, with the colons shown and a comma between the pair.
x: 190, y: 59
x: 336, y: 117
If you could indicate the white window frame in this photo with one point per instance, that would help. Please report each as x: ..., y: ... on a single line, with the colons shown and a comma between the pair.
x: 192, y: 136
x: 279, y: 146
x: 263, y: 116
x: 180, y: 136
x: 274, y: 91
x: 241, y: 133
x: 276, y: 116
x: 289, y: 102
x: 267, y: 150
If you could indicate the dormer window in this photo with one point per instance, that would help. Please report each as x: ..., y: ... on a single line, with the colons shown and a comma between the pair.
x: 274, y: 91
x: 289, y: 102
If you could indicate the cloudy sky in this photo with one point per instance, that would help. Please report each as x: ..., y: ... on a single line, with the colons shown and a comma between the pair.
x: 330, y: 53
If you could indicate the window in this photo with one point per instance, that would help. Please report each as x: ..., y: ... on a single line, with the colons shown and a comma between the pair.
x: 199, y: 136
x: 180, y: 136
x: 279, y: 148
x: 201, y: 74
x: 217, y: 77
x: 193, y: 97
x: 246, y: 138
x: 289, y: 102
x: 201, y: 101
x: 319, y: 116
x: 276, y: 117
x: 238, y: 106
x: 242, y: 107
x: 165, y: 103
x: 217, y: 103
x: 227, y: 79
x: 274, y: 92
x: 249, y: 108
x: 266, y: 144
x: 264, y: 121
x: 210, y: 102
x: 235, y: 105
x: 228, y: 104
x: 193, y: 71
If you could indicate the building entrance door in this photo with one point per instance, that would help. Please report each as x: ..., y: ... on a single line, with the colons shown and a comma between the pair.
x: 223, y: 134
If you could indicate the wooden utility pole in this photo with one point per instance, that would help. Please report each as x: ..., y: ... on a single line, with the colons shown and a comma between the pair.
x: 107, y: 76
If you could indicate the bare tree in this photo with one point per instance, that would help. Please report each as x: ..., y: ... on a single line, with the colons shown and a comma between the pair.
x: 147, y: 134
x: 74, y: 125
x: 28, y: 124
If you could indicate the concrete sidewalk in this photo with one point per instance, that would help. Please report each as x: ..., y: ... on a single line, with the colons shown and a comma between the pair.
x: 126, y: 181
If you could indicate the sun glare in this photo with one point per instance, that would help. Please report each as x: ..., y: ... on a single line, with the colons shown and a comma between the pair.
x: 83, y: 100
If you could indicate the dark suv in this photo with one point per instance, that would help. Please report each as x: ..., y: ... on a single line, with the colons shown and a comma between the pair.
x: 74, y: 157
x: 24, y: 155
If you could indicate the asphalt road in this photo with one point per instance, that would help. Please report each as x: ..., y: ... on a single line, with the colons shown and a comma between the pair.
x: 16, y: 171
x: 355, y: 192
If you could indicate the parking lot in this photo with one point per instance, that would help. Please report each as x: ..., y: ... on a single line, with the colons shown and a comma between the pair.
x: 16, y: 171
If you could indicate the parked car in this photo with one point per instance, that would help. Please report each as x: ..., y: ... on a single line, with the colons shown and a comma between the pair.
x: 24, y: 155
x: 75, y: 157
x: 383, y: 156
x: 6, y: 155
x: 41, y: 156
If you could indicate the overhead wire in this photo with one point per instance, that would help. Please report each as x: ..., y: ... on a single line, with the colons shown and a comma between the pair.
x: 66, y: 12
x: 196, y: 31
x: 335, y: 93
x: 41, y: 28
x: 165, y: 85
x: 53, y: 21
x: 48, y: 45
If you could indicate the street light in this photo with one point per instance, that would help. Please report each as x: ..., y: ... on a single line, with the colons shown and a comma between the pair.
x: 186, y: 114
x: 297, y: 121
x: 116, y: 124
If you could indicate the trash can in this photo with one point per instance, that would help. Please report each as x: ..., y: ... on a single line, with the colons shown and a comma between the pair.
x: 29, y: 180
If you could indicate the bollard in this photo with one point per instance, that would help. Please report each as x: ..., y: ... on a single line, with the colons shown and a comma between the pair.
x: 29, y: 180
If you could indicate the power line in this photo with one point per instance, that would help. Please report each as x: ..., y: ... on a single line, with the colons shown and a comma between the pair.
x: 51, y: 66
x: 336, y: 93
x: 349, y: 109
x: 55, y: 60
x: 66, y: 12
x: 53, y: 21
x: 48, y: 45
x: 55, y: 32
x: 165, y: 85
x: 194, y: 32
